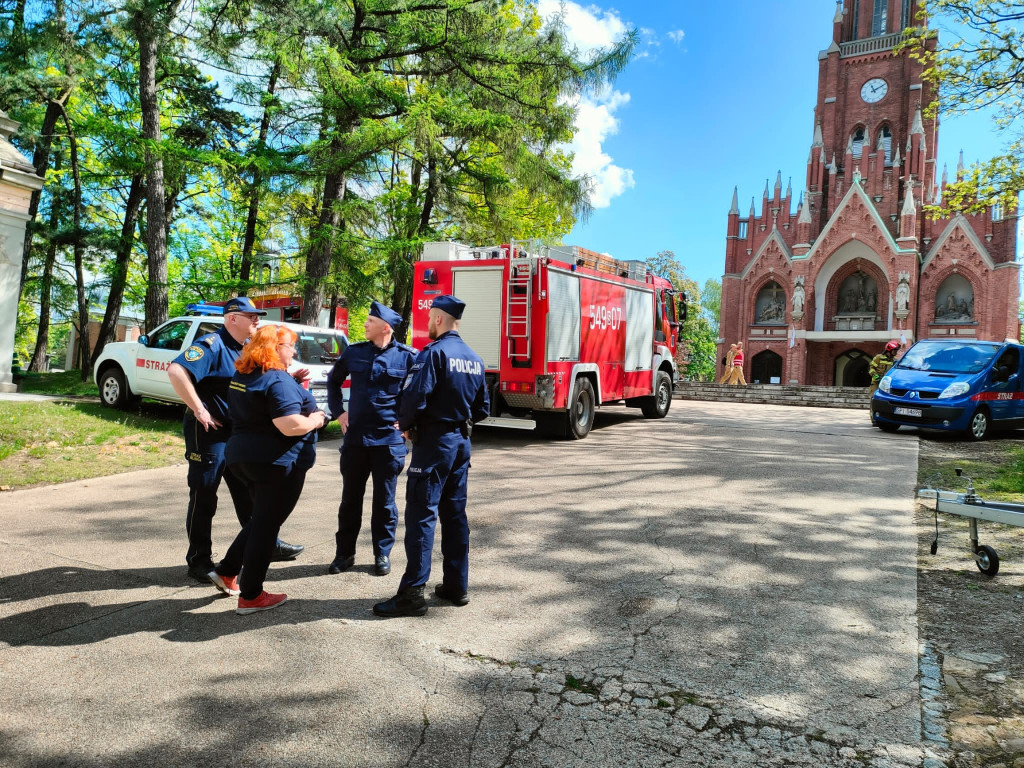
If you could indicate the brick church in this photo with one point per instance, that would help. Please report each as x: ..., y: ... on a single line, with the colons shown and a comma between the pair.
x: 816, y: 293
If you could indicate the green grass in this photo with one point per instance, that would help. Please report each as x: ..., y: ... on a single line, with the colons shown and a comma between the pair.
x: 62, y: 383
x: 44, y: 443
x: 998, y: 476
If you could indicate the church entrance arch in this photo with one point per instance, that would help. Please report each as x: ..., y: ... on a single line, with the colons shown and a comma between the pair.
x: 766, y: 368
x: 851, y: 369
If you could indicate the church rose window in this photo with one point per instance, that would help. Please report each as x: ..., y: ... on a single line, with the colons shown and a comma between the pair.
x: 878, y: 18
x: 954, y: 301
x: 770, y: 308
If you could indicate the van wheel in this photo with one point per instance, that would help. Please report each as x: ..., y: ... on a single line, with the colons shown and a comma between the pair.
x: 582, y: 407
x: 114, y: 392
x: 980, y: 426
x: 656, y: 406
x: 887, y: 427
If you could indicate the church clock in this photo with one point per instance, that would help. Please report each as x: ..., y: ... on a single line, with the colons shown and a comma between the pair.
x: 874, y: 90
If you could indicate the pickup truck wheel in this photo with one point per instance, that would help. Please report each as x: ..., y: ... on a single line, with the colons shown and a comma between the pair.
x: 582, y: 408
x: 656, y: 406
x: 980, y: 425
x: 114, y: 392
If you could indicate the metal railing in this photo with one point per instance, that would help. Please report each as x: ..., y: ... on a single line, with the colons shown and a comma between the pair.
x: 870, y: 45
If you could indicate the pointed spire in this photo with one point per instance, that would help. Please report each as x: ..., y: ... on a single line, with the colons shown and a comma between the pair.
x: 752, y: 214
x: 897, y: 161
x: 778, y: 181
x: 839, y: 13
x: 917, y: 126
x: 735, y: 207
x: 960, y: 165
x: 924, y: 145
x: 881, y: 141
x: 833, y: 166
x: 766, y: 188
x: 945, y: 175
x: 909, y: 146
x: 805, y: 212
x: 909, y: 208
x: 801, y: 200
x: 849, y: 145
x: 789, y: 187
x: 818, y: 141
x: 821, y: 156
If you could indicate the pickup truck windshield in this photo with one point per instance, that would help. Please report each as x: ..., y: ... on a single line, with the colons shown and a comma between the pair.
x: 949, y: 357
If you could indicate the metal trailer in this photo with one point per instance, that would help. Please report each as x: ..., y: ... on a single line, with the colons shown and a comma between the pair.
x: 970, y: 505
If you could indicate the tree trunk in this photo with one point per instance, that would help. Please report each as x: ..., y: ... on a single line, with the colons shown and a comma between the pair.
x: 78, y: 248
x: 38, y: 362
x: 148, y: 35
x: 41, y: 162
x: 122, y: 258
x: 401, y: 300
x: 318, y: 257
x: 249, y: 240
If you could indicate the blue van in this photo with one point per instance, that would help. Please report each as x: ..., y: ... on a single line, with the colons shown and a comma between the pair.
x: 961, y: 385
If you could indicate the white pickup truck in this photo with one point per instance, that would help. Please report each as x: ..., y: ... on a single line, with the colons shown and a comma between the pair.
x: 128, y: 370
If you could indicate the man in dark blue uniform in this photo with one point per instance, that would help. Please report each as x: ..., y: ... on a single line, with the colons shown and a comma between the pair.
x: 200, y: 376
x: 373, y: 444
x: 444, y: 396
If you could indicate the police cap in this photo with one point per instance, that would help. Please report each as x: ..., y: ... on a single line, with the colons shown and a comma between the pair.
x: 449, y: 305
x: 242, y: 304
x: 387, y: 314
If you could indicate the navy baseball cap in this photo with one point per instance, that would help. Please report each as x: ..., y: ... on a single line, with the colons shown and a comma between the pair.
x: 387, y: 314
x: 242, y: 304
x: 449, y: 305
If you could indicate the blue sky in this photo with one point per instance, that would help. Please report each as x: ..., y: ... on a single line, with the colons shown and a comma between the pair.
x: 718, y: 95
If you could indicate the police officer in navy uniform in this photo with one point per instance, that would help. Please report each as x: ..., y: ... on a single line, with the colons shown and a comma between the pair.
x: 373, y: 444
x: 200, y: 376
x: 443, y: 397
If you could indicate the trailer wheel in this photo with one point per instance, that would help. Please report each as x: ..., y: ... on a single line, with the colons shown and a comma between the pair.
x: 988, y: 560
x: 656, y: 406
x: 582, y: 408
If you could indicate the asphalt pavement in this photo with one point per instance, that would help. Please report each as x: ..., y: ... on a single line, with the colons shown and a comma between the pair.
x: 732, y: 585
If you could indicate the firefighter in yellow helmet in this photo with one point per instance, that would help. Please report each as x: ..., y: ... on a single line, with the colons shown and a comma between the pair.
x: 882, y: 362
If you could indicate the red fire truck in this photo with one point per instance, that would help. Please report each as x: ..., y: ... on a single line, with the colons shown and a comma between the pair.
x: 283, y: 307
x: 561, y: 330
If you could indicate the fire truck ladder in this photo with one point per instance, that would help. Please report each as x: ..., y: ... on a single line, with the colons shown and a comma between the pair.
x: 517, y: 315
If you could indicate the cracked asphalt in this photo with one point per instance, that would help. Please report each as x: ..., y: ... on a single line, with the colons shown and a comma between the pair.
x: 733, y: 585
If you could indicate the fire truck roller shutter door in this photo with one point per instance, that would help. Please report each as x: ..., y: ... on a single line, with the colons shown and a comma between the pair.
x: 639, y: 329
x: 563, y: 331
x: 480, y: 328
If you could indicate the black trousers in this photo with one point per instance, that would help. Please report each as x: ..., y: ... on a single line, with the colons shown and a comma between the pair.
x: 275, y: 491
x: 359, y: 463
x: 206, y: 467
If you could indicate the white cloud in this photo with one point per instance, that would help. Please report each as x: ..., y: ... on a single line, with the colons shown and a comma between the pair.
x: 595, y: 121
x: 590, y: 28
x: 676, y: 36
x: 587, y: 27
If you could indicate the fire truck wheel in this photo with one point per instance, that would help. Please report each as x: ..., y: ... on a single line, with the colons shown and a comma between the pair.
x: 656, y: 406
x: 114, y: 392
x: 582, y: 408
x: 550, y: 424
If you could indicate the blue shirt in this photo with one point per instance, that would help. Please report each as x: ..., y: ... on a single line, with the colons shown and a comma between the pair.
x: 377, y: 375
x: 210, y: 361
x: 445, y: 386
x: 256, y: 400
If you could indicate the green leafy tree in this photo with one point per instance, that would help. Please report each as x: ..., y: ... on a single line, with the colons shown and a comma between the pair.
x: 981, y: 69
x: 697, y: 336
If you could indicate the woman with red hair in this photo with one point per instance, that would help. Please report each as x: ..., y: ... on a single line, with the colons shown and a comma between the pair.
x: 272, y: 446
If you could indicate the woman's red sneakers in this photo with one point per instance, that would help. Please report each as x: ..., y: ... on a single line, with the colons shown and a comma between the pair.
x: 226, y: 584
x: 264, y: 602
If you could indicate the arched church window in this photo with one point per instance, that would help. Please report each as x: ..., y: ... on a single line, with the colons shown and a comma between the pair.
x: 770, y: 307
x: 878, y: 17
x: 858, y: 141
x: 954, y: 301
x: 885, y: 143
x: 905, y: 20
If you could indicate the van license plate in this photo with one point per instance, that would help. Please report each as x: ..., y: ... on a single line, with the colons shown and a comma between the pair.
x: 907, y: 412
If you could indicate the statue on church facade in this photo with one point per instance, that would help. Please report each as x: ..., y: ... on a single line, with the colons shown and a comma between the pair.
x: 903, y: 292
x: 798, y: 298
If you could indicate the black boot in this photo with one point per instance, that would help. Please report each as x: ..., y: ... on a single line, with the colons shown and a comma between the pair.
x: 455, y: 598
x: 408, y: 602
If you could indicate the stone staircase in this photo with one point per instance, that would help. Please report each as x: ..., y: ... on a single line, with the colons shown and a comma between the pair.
x: 776, y: 394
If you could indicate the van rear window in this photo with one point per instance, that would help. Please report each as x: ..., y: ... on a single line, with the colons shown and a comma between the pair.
x: 319, y: 349
x: 949, y: 357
